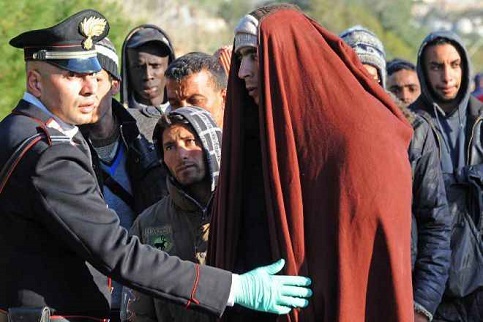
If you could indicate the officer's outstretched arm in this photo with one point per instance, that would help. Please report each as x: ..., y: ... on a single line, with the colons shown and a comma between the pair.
x: 262, y: 290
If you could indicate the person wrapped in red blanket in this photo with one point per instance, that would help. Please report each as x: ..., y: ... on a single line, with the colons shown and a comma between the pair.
x: 314, y: 169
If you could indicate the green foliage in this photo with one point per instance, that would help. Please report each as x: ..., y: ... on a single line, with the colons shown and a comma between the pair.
x: 22, y: 15
x: 389, y: 20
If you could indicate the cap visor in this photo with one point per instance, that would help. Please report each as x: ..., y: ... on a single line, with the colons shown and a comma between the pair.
x: 142, y: 37
x: 81, y: 66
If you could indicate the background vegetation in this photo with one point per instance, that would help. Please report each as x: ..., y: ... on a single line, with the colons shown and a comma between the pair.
x: 187, y: 22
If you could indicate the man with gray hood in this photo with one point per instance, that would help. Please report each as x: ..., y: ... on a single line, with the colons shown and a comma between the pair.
x: 456, y: 118
x: 188, y: 142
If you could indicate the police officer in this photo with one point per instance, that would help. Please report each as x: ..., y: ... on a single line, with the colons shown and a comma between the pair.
x: 58, y: 239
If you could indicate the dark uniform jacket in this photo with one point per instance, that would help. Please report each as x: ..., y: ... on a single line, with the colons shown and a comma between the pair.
x: 146, y: 174
x: 58, y: 239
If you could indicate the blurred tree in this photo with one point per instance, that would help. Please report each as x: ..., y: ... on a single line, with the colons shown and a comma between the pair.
x: 389, y: 20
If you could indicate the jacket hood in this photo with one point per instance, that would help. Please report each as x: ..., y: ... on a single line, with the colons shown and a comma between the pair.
x: 135, y: 38
x: 209, y: 134
x: 465, y: 88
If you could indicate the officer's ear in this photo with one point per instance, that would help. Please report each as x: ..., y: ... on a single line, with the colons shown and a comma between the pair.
x: 34, y: 81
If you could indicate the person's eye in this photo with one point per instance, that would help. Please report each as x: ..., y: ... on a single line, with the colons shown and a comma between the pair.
x: 195, y: 101
x: 190, y: 142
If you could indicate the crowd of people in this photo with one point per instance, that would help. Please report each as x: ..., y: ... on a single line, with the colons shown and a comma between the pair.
x: 294, y: 176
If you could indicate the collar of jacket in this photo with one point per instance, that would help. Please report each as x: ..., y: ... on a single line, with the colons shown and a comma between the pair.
x: 126, y: 122
x: 183, y: 200
x: 474, y: 108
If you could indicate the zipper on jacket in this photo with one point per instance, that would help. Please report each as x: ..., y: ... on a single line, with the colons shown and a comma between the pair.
x: 471, y: 138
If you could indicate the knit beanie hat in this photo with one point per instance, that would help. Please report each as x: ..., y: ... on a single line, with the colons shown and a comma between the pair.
x: 106, y: 54
x: 246, y: 32
x: 368, y: 48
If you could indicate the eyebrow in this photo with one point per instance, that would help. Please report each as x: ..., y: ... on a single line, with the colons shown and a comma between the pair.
x: 244, y: 52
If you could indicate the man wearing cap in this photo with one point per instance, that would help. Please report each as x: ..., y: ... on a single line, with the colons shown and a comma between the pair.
x: 127, y: 166
x: 58, y: 239
x: 369, y: 49
x: 146, y: 53
x: 197, y: 79
x: 308, y: 176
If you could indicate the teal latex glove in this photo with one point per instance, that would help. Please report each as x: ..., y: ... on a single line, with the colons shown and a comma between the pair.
x: 262, y: 290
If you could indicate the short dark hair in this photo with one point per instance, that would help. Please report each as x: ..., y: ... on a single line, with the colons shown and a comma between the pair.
x: 196, y: 62
x: 398, y: 64
x: 444, y: 41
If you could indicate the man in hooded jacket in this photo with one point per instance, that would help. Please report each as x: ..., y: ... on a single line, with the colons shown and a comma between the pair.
x: 306, y: 176
x: 189, y: 143
x: 456, y: 118
x: 146, y: 53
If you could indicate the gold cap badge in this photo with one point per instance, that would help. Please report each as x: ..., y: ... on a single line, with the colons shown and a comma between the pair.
x: 91, y: 27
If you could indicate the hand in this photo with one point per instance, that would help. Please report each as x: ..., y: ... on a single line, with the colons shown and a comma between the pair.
x: 419, y: 317
x: 260, y: 289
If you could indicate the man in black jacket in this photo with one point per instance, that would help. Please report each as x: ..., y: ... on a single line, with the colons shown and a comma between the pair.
x: 58, y: 239
x: 127, y: 165
x: 456, y: 119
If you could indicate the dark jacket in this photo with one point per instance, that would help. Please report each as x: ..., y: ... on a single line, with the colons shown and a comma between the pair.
x: 59, y: 240
x: 462, y: 165
x: 146, y: 173
x: 431, y: 244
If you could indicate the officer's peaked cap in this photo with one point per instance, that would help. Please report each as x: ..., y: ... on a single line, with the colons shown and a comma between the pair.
x: 69, y: 45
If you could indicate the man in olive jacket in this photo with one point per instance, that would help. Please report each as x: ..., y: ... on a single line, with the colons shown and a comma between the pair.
x: 189, y: 143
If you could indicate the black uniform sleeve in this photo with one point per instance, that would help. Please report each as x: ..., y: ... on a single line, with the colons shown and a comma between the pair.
x: 75, y: 211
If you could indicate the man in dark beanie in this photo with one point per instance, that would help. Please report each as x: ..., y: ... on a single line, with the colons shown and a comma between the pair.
x: 306, y: 177
x: 125, y: 162
x: 369, y: 49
